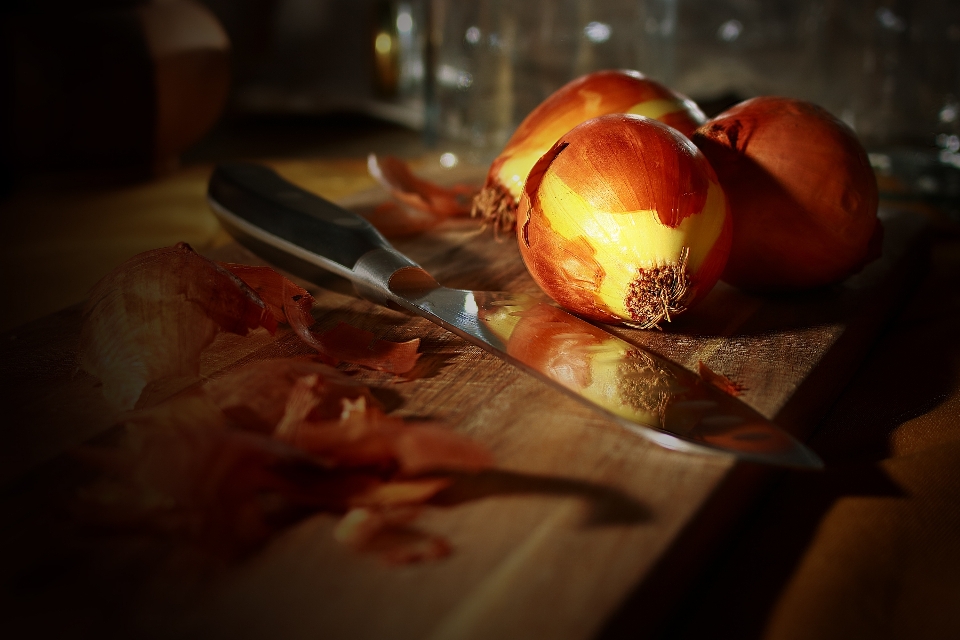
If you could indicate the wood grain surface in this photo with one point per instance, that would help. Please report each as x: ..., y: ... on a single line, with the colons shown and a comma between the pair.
x: 579, y: 523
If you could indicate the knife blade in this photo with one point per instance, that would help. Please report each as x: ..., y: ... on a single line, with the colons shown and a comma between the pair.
x: 660, y: 400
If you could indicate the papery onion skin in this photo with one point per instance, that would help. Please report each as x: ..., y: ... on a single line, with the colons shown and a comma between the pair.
x: 802, y: 194
x: 151, y: 317
x: 396, y: 176
x: 624, y: 221
x: 595, y: 94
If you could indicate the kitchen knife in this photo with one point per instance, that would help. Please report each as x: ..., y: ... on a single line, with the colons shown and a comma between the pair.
x: 306, y: 235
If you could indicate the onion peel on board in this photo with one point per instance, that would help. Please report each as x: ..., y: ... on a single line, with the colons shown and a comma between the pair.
x: 287, y: 302
x: 255, y: 398
x: 151, y: 318
x: 291, y: 304
x: 347, y: 343
x: 366, y: 436
x: 230, y: 460
x: 189, y: 467
x: 396, y: 176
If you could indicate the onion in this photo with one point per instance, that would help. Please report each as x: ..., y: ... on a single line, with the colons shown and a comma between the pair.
x: 592, y: 95
x: 624, y: 221
x: 801, y: 191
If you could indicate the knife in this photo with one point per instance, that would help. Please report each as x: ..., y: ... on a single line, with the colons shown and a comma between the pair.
x: 660, y: 400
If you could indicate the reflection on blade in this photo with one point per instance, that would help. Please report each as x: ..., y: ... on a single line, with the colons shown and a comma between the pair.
x: 649, y: 394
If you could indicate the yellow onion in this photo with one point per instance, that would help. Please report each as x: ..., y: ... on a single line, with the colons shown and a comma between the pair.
x: 595, y: 94
x: 623, y: 221
x: 802, y: 194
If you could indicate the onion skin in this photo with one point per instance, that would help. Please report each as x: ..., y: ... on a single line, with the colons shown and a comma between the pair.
x: 151, y: 317
x: 624, y: 221
x: 801, y: 190
x: 595, y: 94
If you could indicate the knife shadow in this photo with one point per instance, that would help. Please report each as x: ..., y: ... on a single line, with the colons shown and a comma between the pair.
x: 607, y: 506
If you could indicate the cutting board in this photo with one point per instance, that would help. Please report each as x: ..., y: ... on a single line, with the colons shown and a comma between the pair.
x: 582, y: 529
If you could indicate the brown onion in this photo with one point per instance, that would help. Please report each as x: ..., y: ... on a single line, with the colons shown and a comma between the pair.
x: 592, y: 95
x: 624, y: 221
x: 802, y: 194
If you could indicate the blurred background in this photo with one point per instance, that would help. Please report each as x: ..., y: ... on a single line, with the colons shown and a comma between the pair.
x: 147, y: 84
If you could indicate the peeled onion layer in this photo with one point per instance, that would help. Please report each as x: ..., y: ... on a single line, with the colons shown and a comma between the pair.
x: 255, y: 397
x: 802, y: 193
x: 403, y: 184
x: 291, y: 304
x: 224, y: 465
x: 395, y: 220
x: 592, y: 95
x: 624, y: 221
x: 287, y: 302
x: 151, y: 318
x: 417, y: 204
x: 346, y: 343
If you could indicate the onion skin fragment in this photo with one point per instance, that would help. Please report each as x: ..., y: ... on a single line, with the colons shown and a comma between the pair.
x: 595, y: 94
x: 346, y: 343
x: 291, y: 304
x: 802, y: 194
x: 152, y: 316
x: 623, y: 221
x: 226, y: 465
x: 255, y: 396
x: 396, y: 176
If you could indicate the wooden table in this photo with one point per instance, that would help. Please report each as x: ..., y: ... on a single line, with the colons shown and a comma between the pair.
x: 581, y: 527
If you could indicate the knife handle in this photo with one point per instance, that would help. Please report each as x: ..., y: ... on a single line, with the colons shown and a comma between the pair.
x: 299, y: 231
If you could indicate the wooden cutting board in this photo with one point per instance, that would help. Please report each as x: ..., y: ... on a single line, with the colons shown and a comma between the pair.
x: 581, y: 529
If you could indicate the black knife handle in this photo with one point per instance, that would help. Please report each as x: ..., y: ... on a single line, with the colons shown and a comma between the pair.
x: 299, y: 231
